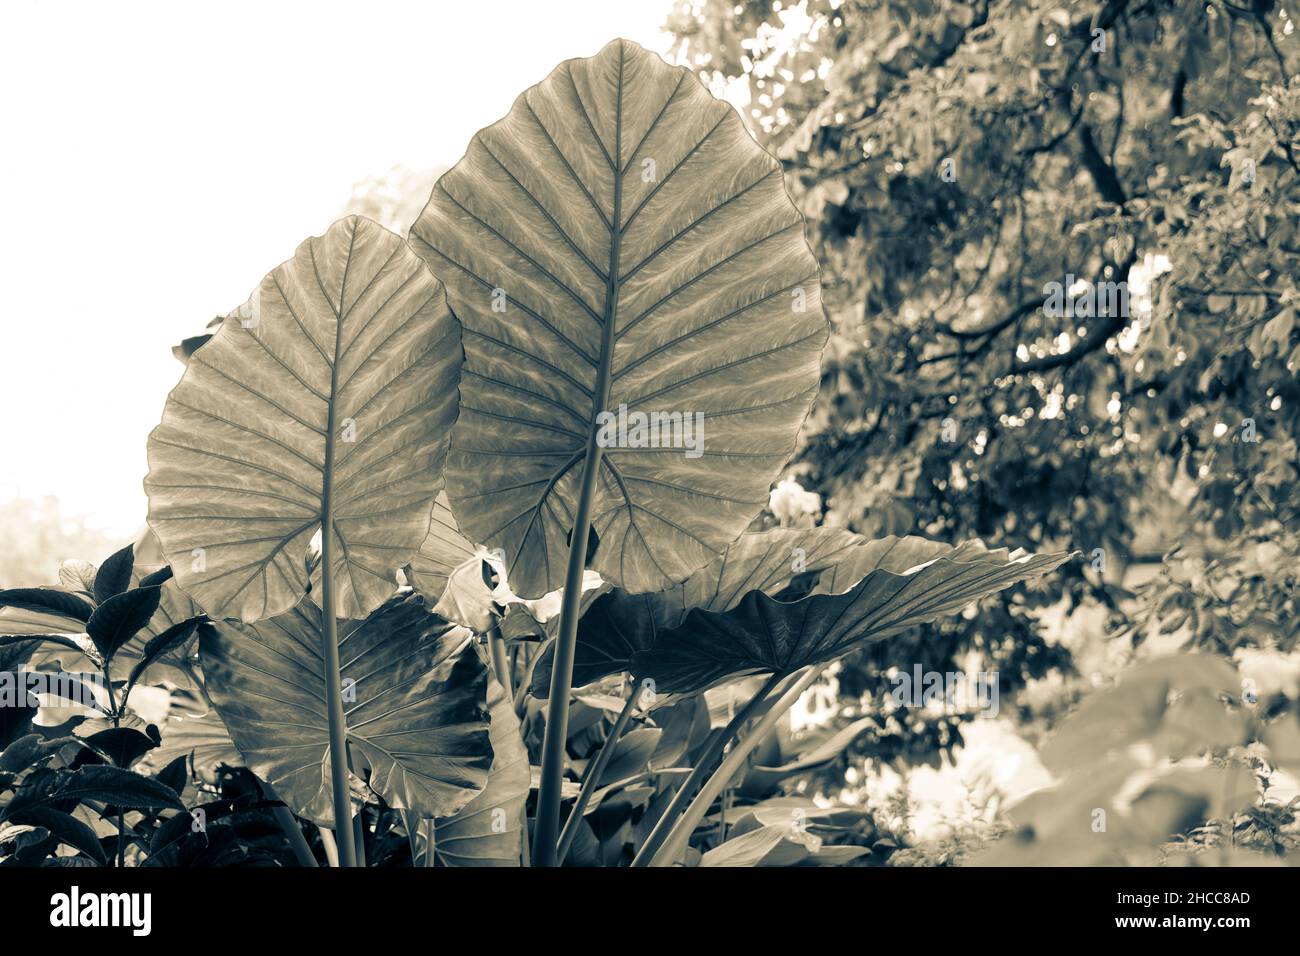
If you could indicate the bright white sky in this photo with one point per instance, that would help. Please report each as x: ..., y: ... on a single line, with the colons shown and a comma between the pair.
x: 160, y: 158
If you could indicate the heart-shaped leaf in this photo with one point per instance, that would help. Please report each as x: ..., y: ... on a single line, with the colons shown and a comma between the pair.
x: 414, y: 698
x: 330, y: 393
x: 619, y: 243
x: 487, y: 831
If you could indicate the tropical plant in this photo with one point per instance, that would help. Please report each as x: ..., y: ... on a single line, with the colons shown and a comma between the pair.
x: 383, y: 654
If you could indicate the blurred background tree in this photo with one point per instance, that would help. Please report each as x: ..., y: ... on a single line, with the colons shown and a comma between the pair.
x: 955, y: 158
x: 38, y: 536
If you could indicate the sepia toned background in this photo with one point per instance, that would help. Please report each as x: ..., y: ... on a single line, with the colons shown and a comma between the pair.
x: 953, y: 161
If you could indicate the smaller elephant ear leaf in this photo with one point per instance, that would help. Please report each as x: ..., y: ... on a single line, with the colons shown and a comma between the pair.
x: 488, y: 830
x: 415, y: 699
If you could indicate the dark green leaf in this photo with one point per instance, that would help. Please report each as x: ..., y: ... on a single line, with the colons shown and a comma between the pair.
x: 156, y: 647
x: 67, y: 828
x: 26, y: 751
x: 118, y: 618
x: 159, y: 577
x: 49, y: 599
x: 114, y: 574
x: 121, y: 745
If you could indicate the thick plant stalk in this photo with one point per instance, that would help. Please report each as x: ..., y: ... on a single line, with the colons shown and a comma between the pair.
x: 679, y: 838
x: 595, y: 770
x: 330, y: 652
x: 289, y: 824
x: 330, y: 847
x: 297, y: 842
x: 430, y: 848
x: 359, y: 833
x: 756, y: 705
x: 500, y: 660
x: 521, y: 692
x: 557, y: 713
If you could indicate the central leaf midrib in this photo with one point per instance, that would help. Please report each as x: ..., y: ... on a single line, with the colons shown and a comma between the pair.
x: 600, y: 394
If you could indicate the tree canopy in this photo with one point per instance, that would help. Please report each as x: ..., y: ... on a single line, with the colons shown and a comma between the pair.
x: 1060, y: 252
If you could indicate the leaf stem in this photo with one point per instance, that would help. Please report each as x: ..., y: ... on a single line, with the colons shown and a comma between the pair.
x: 756, y: 705
x: 334, y: 709
x: 521, y: 692
x: 293, y: 833
x: 678, y: 840
x: 557, y: 712
x: 359, y: 833
x: 117, y: 722
x: 430, y: 847
x: 500, y: 660
x: 328, y: 844
x: 333, y: 679
x: 595, y: 770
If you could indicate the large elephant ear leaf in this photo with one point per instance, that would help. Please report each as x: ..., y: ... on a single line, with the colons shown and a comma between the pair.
x: 619, y: 624
x: 331, y: 393
x: 489, y: 829
x: 415, y: 698
x: 620, y: 244
x: 897, y: 583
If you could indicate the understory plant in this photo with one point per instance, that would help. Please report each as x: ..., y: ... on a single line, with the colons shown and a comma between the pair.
x: 454, y: 508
